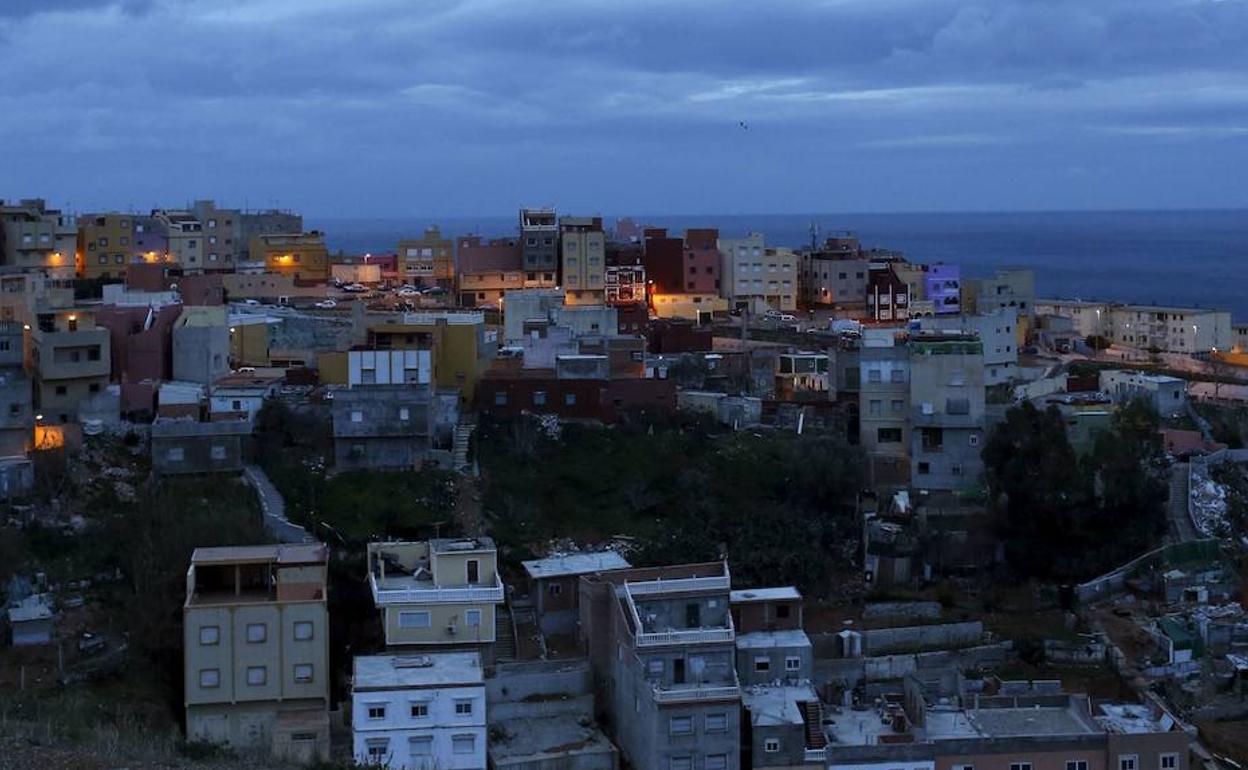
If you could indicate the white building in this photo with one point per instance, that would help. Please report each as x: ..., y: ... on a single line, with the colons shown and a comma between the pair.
x: 419, y: 712
x: 997, y: 330
x: 1168, y: 329
x: 1168, y: 395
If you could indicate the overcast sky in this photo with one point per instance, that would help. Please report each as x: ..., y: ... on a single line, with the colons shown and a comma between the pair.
x: 449, y: 107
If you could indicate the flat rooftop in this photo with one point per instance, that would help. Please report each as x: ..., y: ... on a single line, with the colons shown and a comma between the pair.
x: 461, y: 544
x: 766, y: 640
x: 764, y: 594
x: 1133, y: 718
x: 1039, y: 720
x: 310, y: 553
x: 563, y: 565
x: 526, y: 740
x: 399, y: 672
x: 776, y: 705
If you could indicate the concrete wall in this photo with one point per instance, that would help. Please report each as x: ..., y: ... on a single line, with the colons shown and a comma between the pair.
x: 201, y: 353
x: 517, y: 682
x: 881, y: 640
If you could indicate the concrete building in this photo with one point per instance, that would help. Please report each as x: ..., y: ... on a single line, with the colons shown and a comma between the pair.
x: 222, y: 234
x: 803, y: 377
x: 187, y: 446
x: 461, y: 344
x: 382, y: 427
x: 302, y: 256
x: 1004, y: 288
x: 888, y: 297
x: 201, y: 344
x: 1190, y: 331
x: 256, y: 646
x: 17, y: 415
x: 32, y: 623
x: 998, y: 331
x: 105, y: 245
x: 261, y: 223
x: 1168, y: 395
x: 405, y: 366
x: 440, y: 593
x: 428, y: 260
x: 661, y: 647
x: 241, y: 396
x: 946, y: 408
x: 701, y: 266
x: 583, y: 263
x: 758, y: 278
x: 486, y: 271
x: 539, y: 247
x: 835, y: 275
x: 553, y: 583
x: 663, y: 258
x: 771, y: 645
x: 186, y: 238
x: 70, y: 359
x: 883, y: 384
x: 33, y: 236
x: 419, y: 712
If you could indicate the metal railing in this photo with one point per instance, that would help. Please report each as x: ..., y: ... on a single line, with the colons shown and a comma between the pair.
x: 696, y: 694
x: 675, y: 585
x: 434, y: 594
x: 816, y: 755
x: 686, y: 636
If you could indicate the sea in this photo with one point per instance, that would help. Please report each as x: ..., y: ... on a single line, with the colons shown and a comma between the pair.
x: 1196, y: 258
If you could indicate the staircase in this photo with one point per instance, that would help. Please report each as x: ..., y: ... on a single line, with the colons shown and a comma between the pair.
x: 459, y: 449
x: 504, y: 636
x: 812, y: 715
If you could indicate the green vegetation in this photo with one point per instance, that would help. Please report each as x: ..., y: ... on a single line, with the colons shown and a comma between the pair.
x: 1064, y: 518
x: 779, y: 506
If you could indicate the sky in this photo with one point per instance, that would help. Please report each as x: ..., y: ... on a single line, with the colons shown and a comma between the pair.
x: 467, y: 107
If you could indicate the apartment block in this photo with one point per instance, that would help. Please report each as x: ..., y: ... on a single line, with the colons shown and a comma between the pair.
x: 663, y: 258
x: 625, y: 285
x: 105, y: 245
x: 462, y: 347
x: 758, y: 278
x: 222, y: 234
x: 946, y: 410
x: 997, y: 330
x: 884, y: 397
x: 428, y: 260
x: 702, y: 266
x: 302, y: 256
x: 263, y: 223
x: 419, y: 712
x: 943, y: 288
x: 256, y: 646
x: 17, y: 415
x: 186, y: 238
x: 35, y: 236
x: 583, y: 244
x: 436, y: 593
x: 1013, y: 289
x: 70, y: 359
x: 835, y: 274
x: 539, y: 235
x: 661, y: 645
x: 1171, y: 329
x: 888, y: 297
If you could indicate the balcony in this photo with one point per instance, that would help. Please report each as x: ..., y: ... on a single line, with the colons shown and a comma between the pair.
x: 696, y: 693
x: 685, y: 636
x: 407, y: 590
x: 680, y: 585
x: 816, y: 755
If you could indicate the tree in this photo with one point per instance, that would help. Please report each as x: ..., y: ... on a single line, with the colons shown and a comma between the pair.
x: 1129, y: 466
x: 1035, y: 488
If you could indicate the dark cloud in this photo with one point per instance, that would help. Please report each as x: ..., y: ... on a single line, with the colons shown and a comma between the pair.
x: 592, y: 101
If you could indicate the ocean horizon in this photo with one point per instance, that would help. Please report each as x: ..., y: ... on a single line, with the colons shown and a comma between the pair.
x: 1193, y: 258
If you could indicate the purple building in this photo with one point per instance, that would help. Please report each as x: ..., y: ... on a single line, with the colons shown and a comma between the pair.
x: 944, y: 288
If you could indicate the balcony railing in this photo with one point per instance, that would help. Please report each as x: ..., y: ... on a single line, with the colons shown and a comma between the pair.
x: 435, y: 595
x: 816, y: 755
x: 696, y: 694
x: 687, y: 636
x: 677, y: 585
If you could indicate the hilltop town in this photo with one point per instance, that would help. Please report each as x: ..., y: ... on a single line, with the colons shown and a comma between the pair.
x: 599, y: 495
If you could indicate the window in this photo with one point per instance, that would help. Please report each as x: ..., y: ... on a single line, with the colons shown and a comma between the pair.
x: 716, y: 723
x: 61, y: 390
x: 257, y: 675
x: 569, y: 399
x: 463, y: 744
x: 771, y: 745
x: 1168, y: 762
x: 680, y: 763
x: 377, y: 749
x: 238, y: 406
x: 716, y: 762
x: 792, y: 663
x: 1077, y: 764
x: 500, y: 399
x: 303, y: 673
x: 680, y: 726
x: 888, y: 435
x: 303, y: 630
x: 875, y: 406
x: 415, y: 619
x: 209, y: 678
x: 1020, y: 766
x: 554, y: 589
x: 963, y: 767
x: 874, y: 375
x: 897, y: 405
x: 209, y: 635
x: 355, y: 416
x: 175, y: 454
x: 376, y: 711
x: 539, y: 398
x: 420, y: 710
x: 896, y: 375
x: 420, y: 746
x: 762, y: 663
x: 218, y: 453
x: 257, y: 632
x: 1127, y: 762
x: 655, y: 667
x: 925, y: 468
x: 463, y: 707
x: 404, y: 414
x: 472, y: 618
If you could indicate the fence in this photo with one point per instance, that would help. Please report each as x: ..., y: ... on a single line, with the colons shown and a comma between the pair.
x: 1115, y: 582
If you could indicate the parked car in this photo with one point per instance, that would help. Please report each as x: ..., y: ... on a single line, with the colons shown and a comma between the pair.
x: 355, y: 288
x: 774, y: 314
x: 787, y: 318
x: 327, y: 304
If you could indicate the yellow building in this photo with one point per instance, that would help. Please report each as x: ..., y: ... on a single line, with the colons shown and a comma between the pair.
x: 438, y: 592
x: 104, y: 245
x: 583, y: 261
x: 694, y: 307
x: 462, y: 346
x: 302, y: 256
x: 429, y: 260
